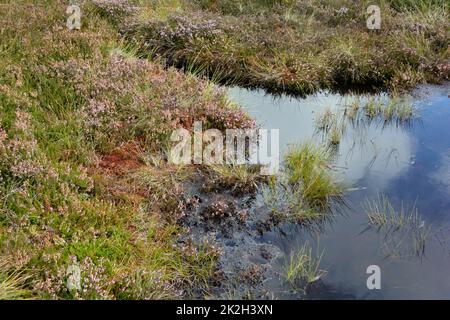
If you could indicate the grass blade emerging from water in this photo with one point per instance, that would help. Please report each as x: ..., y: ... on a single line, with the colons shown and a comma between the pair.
x: 303, y: 268
x: 308, y: 167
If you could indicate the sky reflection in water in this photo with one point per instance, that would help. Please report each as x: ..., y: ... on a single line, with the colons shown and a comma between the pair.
x: 409, y: 164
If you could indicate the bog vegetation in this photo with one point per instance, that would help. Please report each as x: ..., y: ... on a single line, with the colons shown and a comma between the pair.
x: 297, y: 46
x: 86, y: 116
x: 84, y: 126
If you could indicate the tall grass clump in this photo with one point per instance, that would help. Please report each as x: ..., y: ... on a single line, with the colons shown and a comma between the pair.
x: 306, y: 189
x: 12, y: 283
x: 308, y: 167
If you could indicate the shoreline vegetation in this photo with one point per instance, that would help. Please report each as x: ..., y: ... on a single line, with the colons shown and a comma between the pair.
x: 296, y: 47
x: 84, y: 179
x: 86, y: 117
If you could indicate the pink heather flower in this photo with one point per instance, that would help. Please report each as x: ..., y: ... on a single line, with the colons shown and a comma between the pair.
x: 23, y: 120
x: 3, y: 137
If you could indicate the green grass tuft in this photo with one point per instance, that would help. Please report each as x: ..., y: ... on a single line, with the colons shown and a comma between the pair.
x: 303, y: 268
x: 308, y: 167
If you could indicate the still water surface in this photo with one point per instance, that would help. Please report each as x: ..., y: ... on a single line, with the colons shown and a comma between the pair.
x: 409, y: 164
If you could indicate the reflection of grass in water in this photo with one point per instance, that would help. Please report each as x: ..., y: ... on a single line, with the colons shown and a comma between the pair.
x: 402, y: 227
x: 303, y: 268
x: 359, y: 114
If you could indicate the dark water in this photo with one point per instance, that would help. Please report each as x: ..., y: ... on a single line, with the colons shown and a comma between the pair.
x: 409, y: 164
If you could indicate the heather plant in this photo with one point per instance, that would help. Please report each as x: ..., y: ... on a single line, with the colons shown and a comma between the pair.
x: 68, y: 101
x: 275, y: 44
x: 152, y: 102
x: 115, y: 9
x: 71, y: 101
x: 94, y: 282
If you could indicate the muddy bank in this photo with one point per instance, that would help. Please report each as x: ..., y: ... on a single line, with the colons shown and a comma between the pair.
x: 231, y: 223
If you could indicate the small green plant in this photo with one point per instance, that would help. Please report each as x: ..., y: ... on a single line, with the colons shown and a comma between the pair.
x: 394, y: 110
x: 332, y: 126
x: 382, y: 214
x: 404, y: 228
x: 287, y: 203
x: 306, y: 189
x: 336, y: 135
x: 326, y: 120
x: 303, y: 268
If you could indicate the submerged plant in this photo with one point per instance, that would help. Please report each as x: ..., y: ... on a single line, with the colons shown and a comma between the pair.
x: 331, y: 125
x: 404, y: 228
x: 382, y: 214
x: 359, y: 113
x: 326, y: 120
x: 396, y: 109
